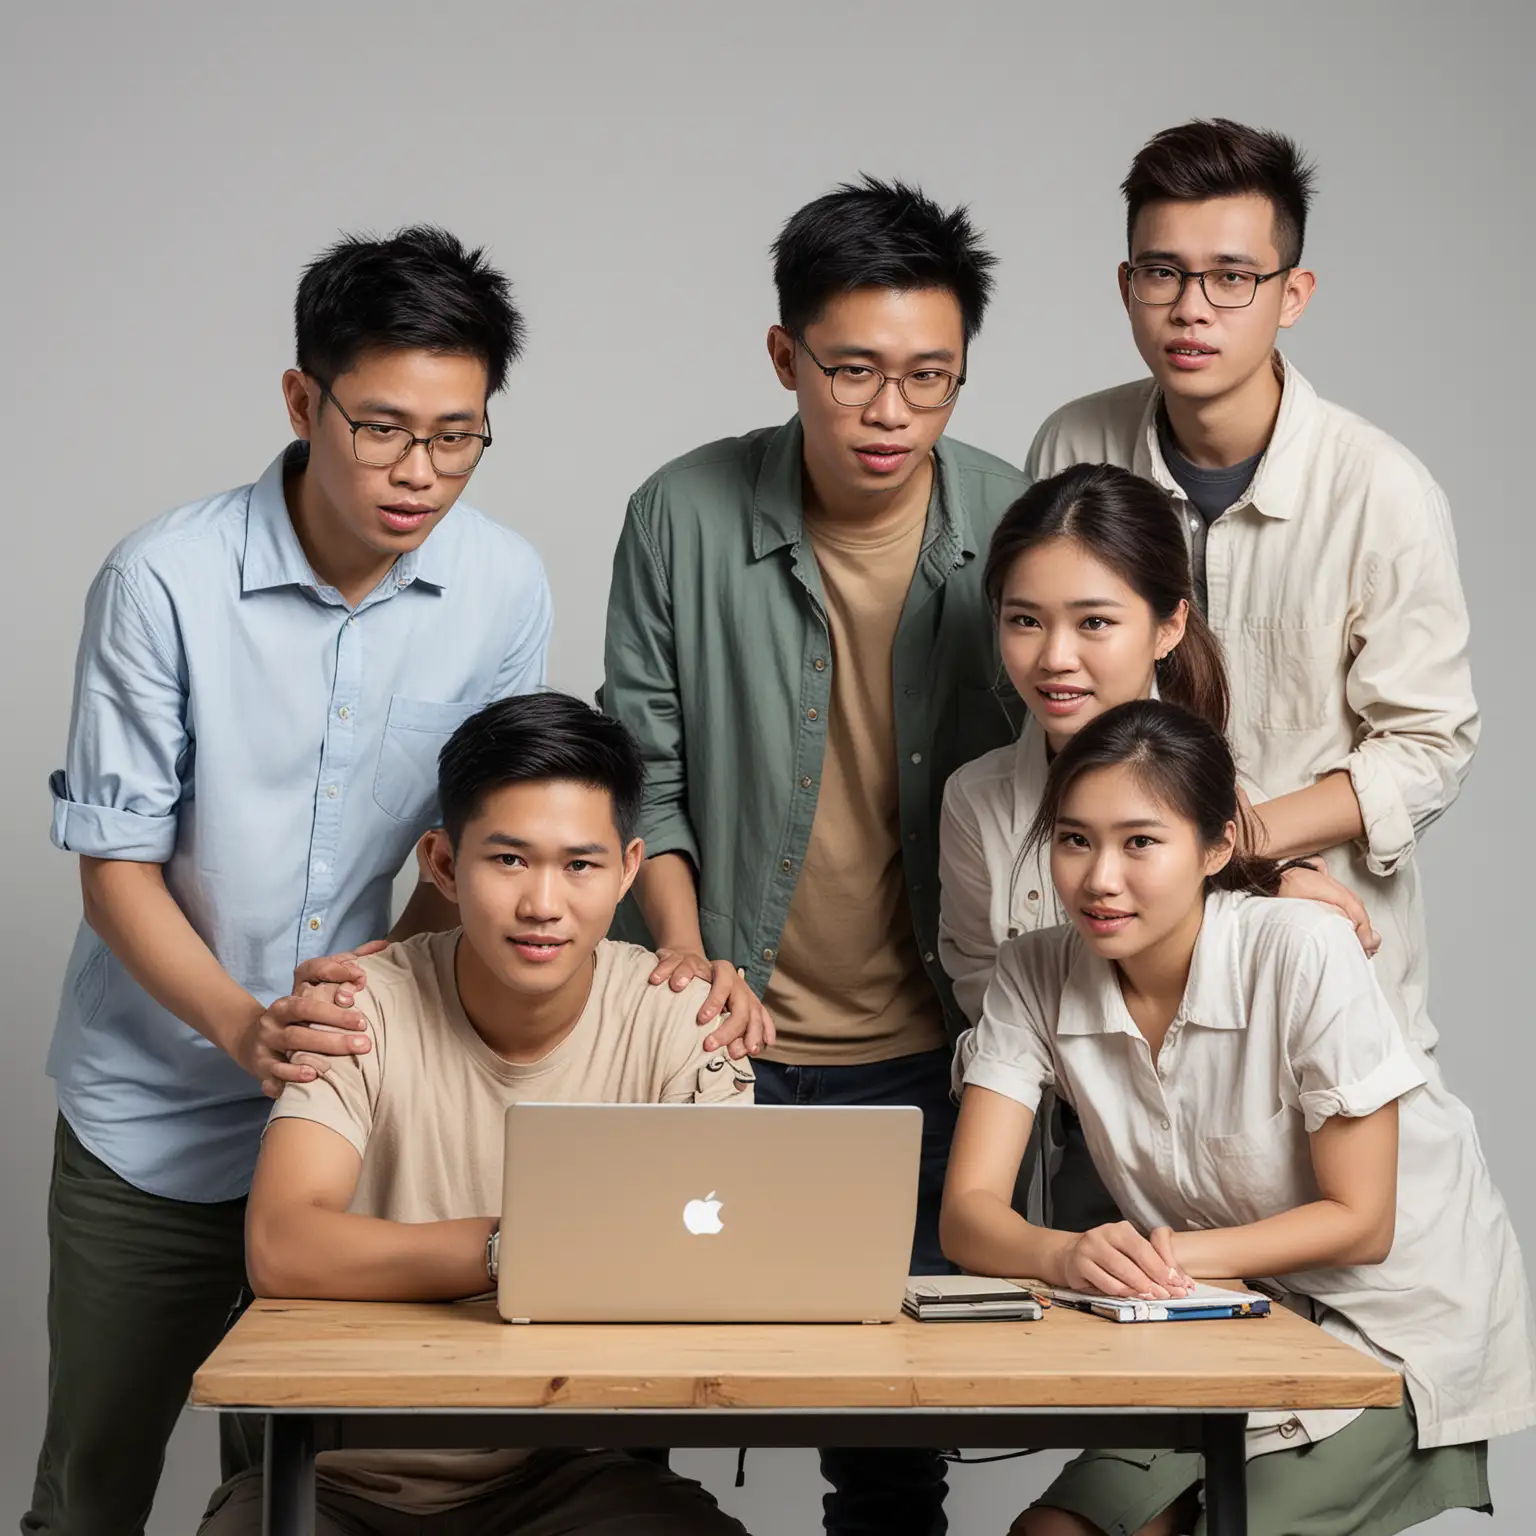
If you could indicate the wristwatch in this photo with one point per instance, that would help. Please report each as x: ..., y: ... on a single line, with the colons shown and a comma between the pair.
x: 493, y: 1253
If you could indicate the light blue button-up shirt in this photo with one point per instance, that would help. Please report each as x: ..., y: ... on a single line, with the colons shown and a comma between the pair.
x: 276, y: 751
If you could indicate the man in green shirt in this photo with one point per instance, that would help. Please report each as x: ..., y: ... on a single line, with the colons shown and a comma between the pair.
x: 798, y: 637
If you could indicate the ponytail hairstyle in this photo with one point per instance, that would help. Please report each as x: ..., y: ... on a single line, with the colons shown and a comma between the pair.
x: 1128, y: 524
x: 1182, y: 763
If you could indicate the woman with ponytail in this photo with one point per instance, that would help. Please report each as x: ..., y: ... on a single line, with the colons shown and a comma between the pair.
x: 1255, y: 1110
x: 1088, y: 575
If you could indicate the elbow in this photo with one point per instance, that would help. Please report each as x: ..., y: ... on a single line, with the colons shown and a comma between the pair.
x: 1372, y: 1243
x: 272, y: 1265
x: 956, y: 1237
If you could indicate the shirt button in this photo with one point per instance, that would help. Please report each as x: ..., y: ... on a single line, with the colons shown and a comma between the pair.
x: 318, y: 866
x: 330, y: 791
x: 1035, y: 895
x: 786, y: 865
x: 344, y: 712
x: 1013, y: 933
x: 811, y: 714
x: 820, y: 663
x: 1165, y: 1125
x: 805, y: 783
x: 917, y: 757
x: 928, y: 959
x: 767, y: 954
x: 314, y: 925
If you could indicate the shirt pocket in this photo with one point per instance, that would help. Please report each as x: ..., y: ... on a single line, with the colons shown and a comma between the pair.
x: 405, y: 785
x: 1294, y: 672
x: 1256, y: 1173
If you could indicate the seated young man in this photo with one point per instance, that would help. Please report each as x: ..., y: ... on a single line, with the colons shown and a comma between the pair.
x: 380, y: 1175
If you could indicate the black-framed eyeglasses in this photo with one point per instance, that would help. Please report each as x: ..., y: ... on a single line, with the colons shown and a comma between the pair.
x: 924, y: 389
x: 382, y: 444
x: 1156, y: 283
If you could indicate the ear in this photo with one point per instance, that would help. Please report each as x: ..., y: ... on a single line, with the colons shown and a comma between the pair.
x: 781, y: 353
x: 634, y: 857
x: 1124, y: 274
x: 1219, y: 854
x: 1170, y: 631
x: 1299, y: 286
x: 436, y: 859
x: 302, y: 397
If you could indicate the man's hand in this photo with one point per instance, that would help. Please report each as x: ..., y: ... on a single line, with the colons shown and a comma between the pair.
x: 317, y: 1016
x: 1116, y: 1260
x: 746, y: 1026
x: 1315, y: 884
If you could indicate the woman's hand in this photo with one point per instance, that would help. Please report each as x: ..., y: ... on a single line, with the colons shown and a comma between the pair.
x: 1116, y: 1260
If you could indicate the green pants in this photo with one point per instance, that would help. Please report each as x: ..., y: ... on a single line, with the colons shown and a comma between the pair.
x: 140, y: 1289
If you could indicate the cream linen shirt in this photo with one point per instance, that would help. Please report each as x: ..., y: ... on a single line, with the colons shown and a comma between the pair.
x: 1282, y: 1026
x: 1334, y: 590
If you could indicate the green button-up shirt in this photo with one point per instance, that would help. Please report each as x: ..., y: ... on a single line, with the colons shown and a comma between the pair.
x: 719, y: 659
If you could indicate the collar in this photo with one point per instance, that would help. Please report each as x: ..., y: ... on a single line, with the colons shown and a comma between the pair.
x: 1277, y: 482
x: 1030, y: 768
x: 778, y: 504
x: 275, y: 558
x: 1092, y: 1003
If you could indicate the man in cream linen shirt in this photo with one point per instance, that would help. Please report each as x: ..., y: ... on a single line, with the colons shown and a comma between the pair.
x: 1324, y: 547
x: 379, y: 1177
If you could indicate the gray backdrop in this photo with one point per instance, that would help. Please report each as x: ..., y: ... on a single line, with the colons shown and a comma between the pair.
x: 170, y: 166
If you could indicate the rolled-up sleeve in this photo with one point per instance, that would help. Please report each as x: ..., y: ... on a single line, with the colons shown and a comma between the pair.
x: 1345, y: 1046
x: 640, y: 685
x: 117, y: 795
x: 1411, y: 684
x: 967, y: 950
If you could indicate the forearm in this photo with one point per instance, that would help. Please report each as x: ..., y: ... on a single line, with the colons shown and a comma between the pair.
x: 986, y: 1236
x: 1310, y: 820
x: 669, y: 900
x: 1321, y: 1235
x: 128, y: 906
x: 311, y: 1251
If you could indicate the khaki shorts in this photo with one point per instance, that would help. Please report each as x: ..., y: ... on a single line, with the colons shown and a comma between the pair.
x: 1369, y: 1479
x: 604, y: 1493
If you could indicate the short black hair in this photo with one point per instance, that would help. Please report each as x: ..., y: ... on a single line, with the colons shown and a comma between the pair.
x: 1215, y: 157
x: 419, y: 287
x: 534, y: 737
x: 878, y: 234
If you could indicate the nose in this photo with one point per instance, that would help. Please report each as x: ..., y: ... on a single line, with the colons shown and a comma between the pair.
x: 889, y: 408
x: 415, y: 470
x: 1191, y: 307
x: 1103, y: 877
x: 538, y: 895
x: 1060, y: 653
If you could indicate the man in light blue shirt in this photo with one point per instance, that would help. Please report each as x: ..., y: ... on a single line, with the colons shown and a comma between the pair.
x: 263, y: 684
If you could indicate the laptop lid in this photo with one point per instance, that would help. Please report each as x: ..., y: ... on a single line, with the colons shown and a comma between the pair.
x: 707, y: 1213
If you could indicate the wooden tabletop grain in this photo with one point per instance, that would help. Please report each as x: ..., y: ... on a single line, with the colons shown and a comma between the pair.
x: 319, y: 1355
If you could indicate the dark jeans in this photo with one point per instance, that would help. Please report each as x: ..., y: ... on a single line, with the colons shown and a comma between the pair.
x: 882, y: 1492
x: 140, y: 1289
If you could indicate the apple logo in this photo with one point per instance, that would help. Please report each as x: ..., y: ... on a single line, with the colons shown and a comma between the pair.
x: 702, y: 1217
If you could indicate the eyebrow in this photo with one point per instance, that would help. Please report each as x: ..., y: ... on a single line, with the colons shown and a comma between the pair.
x: 384, y: 408
x: 1174, y: 259
x: 1076, y: 602
x: 521, y: 844
x: 937, y: 355
x: 1117, y: 826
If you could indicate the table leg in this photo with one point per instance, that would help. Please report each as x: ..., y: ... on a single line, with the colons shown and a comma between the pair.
x: 289, y: 1481
x: 1226, y: 1474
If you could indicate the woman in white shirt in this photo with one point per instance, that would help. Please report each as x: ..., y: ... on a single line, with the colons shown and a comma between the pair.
x: 1249, y: 1098
x: 1089, y: 576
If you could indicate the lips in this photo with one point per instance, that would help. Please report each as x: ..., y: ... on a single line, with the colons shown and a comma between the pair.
x: 1105, y: 921
x: 537, y: 948
x: 1062, y: 700
x: 405, y: 516
x: 882, y: 458
x: 1189, y: 355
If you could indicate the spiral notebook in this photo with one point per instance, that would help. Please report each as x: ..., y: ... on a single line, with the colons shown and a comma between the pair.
x: 1204, y: 1301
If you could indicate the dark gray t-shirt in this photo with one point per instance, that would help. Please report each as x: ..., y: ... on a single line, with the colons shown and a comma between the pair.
x: 1210, y: 493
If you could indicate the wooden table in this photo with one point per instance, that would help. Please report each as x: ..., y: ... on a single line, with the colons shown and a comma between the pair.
x: 353, y: 1375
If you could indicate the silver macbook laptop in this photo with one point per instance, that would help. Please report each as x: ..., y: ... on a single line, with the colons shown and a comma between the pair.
x: 685, y: 1213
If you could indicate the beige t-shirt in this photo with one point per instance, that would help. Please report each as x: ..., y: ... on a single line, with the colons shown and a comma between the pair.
x: 849, y: 985
x: 426, y: 1110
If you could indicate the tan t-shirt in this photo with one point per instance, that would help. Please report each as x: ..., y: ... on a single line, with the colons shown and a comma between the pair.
x: 426, y: 1109
x: 849, y: 985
